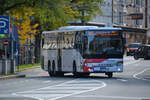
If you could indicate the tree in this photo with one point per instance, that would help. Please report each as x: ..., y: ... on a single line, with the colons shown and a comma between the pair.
x: 47, y: 14
x: 23, y: 23
x: 87, y: 9
x: 7, y: 5
x: 51, y: 14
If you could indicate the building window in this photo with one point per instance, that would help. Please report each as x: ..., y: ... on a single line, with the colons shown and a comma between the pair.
x: 121, y: 1
x: 149, y: 20
x: 138, y: 2
x: 137, y: 23
x: 149, y: 3
x: 132, y: 1
x: 142, y: 3
x: 120, y: 18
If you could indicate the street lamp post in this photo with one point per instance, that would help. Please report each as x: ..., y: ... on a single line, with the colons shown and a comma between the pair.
x: 146, y: 13
x: 112, y: 12
x: 12, y: 47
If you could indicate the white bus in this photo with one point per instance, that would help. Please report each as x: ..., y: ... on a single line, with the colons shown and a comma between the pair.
x: 82, y: 50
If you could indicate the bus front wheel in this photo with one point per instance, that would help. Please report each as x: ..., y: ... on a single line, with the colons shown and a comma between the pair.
x: 75, y: 69
x: 109, y: 74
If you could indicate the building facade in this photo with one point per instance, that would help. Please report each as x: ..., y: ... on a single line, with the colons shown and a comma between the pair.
x: 106, y: 16
x: 133, y: 14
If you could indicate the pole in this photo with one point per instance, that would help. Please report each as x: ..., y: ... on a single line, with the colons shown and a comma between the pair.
x: 5, y: 53
x: 12, y: 46
x: 146, y: 4
x: 32, y: 62
x: 112, y: 12
x: 5, y: 62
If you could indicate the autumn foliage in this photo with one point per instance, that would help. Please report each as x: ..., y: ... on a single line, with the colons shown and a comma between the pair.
x: 23, y: 23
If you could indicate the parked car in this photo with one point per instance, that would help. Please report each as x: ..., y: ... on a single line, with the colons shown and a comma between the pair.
x: 131, y: 48
x: 142, y: 52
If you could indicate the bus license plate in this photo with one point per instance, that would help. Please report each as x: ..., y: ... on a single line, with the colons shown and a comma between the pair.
x: 103, y: 69
x: 96, y: 68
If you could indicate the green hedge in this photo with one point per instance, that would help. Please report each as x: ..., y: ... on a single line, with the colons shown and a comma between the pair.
x: 25, y: 66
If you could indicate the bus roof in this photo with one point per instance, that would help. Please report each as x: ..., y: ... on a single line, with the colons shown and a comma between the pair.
x: 81, y: 28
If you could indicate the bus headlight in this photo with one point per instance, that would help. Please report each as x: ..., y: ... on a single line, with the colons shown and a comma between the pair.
x: 119, y: 69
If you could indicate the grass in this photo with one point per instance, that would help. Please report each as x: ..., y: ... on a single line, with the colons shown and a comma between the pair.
x: 8, y: 74
x: 25, y: 66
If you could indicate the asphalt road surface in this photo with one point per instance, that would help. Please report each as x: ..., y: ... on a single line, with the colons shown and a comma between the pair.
x: 132, y: 84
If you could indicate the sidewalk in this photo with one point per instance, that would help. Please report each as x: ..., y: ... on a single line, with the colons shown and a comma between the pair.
x: 17, y: 75
x: 21, y: 74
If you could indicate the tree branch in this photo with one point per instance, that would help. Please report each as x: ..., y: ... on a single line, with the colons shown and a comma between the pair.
x: 14, y: 5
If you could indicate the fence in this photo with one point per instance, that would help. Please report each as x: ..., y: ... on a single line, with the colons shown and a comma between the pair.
x: 26, y: 55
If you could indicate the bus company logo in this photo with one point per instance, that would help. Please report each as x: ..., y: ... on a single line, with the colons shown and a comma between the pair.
x: 106, y: 33
x: 104, y: 65
x: 99, y: 65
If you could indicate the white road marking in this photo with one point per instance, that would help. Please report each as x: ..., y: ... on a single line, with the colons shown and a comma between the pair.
x: 62, y: 90
x: 147, y: 77
x: 46, y: 81
x: 131, y: 62
x: 136, y: 64
x: 136, y: 75
x: 123, y: 80
x: 113, y: 97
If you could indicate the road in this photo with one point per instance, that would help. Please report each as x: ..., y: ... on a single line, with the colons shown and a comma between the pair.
x: 132, y: 84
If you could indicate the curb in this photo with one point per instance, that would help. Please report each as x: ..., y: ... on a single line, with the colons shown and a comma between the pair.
x: 17, y: 74
x: 29, y: 68
x: 12, y: 76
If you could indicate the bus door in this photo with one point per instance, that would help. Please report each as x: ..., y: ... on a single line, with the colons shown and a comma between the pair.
x: 59, y: 60
x: 59, y: 52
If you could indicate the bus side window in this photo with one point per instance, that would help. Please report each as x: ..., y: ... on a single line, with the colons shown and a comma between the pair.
x: 78, y: 42
x: 42, y: 43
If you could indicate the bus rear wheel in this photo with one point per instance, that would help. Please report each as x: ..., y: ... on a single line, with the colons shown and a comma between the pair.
x: 53, y: 72
x: 49, y: 68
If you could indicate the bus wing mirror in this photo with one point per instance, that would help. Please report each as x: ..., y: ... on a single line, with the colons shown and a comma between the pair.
x: 124, y: 41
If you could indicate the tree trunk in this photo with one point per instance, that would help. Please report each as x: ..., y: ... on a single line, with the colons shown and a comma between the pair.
x: 37, y: 48
x: 82, y: 18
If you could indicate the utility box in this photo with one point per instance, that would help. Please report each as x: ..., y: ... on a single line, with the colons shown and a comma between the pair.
x: 148, y: 35
x: 8, y: 69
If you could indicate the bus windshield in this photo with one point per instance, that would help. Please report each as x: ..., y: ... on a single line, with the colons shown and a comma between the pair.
x: 102, y: 45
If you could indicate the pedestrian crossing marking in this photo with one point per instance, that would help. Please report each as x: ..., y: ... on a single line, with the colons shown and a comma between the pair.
x: 62, y: 90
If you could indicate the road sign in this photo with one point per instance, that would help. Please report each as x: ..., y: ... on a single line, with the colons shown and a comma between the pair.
x: 5, y: 42
x: 4, y: 24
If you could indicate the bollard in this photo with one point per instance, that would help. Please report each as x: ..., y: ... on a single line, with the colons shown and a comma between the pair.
x: 32, y: 63
x: 12, y: 70
x: 4, y: 66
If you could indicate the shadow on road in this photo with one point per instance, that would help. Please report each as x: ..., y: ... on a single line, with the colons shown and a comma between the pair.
x: 72, y: 77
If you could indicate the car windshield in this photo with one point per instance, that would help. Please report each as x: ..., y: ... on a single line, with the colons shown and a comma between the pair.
x: 98, y: 46
x: 133, y: 46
